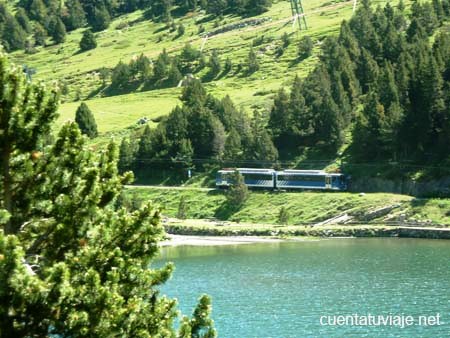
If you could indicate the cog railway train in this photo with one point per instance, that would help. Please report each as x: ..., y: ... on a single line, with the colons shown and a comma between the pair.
x: 284, y: 179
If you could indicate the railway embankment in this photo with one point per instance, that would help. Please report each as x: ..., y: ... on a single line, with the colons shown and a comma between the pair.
x: 304, y: 212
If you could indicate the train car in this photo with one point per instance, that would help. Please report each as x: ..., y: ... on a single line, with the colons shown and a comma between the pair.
x: 309, y: 179
x: 256, y: 178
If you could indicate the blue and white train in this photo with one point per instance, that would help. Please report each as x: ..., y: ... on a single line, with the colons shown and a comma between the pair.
x: 285, y: 179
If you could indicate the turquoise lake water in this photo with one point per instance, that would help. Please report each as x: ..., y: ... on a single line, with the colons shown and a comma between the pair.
x: 285, y: 289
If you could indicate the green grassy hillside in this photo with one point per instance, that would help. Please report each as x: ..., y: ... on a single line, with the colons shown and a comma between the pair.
x: 306, y: 207
x: 130, y: 35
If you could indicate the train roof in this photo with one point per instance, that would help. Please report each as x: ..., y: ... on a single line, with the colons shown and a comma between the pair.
x: 248, y: 171
x: 293, y: 172
x: 287, y: 172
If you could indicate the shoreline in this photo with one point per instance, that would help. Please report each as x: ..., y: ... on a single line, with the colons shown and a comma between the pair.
x: 195, y: 240
x: 237, y: 233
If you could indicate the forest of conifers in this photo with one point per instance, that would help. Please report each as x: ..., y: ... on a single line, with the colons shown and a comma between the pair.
x: 382, y: 85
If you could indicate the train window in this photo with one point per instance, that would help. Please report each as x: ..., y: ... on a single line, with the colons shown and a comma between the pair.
x: 258, y: 177
x: 304, y: 178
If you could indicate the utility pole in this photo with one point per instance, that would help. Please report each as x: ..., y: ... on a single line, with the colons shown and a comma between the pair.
x: 298, y: 14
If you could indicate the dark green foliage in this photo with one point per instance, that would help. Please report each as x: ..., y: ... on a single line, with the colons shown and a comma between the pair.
x: 126, y: 156
x: 242, y: 7
x: 174, y: 76
x: 189, y: 59
x: 59, y: 32
x: 286, y: 40
x: 216, y: 7
x: 88, y: 41
x: 86, y: 121
x: 305, y: 47
x: 388, y: 66
x: 182, y: 208
x: 252, y: 62
x: 194, y: 95
x: 75, y: 17
x: 161, y: 9
x: 238, y: 193
x: 40, y: 35
x: 23, y: 20
x: 101, y: 18
x: 233, y: 146
x: 120, y: 75
x: 256, y: 7
x: 283, y: 216
x: 73, y: 263
x: 228, y: 65
x: 181, y: 30
x: 214, y: 63
x: 12, y: 33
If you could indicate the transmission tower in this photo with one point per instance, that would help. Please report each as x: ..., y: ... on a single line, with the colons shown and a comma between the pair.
x: 298, y: 14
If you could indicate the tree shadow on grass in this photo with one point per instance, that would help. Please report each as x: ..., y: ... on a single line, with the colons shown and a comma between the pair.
x: 225, y: 211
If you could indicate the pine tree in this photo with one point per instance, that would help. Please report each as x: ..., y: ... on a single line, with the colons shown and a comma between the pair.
x: 302, y: 121
x: 283, y: 216
x: 72, y: 264
x: 38, y: 11
x: 40, y: 35
x: 257, y: 7
x: 161, y: 67
x: 252, y: 62
x: 194, y: 94
x: 280, y: 120
x: 305, y: 47
x: 13, y: 34
x: 125, y: 156
x: 23, y: 20
x: 88, y: 41
x: 162, y: 9
x: 86, y: 121
x: 121, y: 75
x: 233, y: 146
x: 59, y: 34
x: 174, y: 76
x: 182, y: 208
x: 214, y: 63
x: 228, y: 65
x: 75, y: 17
x: 216, y: 7
x: 238, y: 193
x: 101, y: 19
x: 145, y: 148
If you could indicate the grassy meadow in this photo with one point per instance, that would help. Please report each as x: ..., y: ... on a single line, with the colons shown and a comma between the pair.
x: 263, y: 207
x: 130, y: 35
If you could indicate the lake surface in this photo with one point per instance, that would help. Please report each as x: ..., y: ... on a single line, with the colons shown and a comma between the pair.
x: 285, y: 289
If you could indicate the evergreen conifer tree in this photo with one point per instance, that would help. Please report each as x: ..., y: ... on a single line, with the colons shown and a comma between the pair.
x: 23, y: 20
x: 182, y: 208
x: 252, y: 62
x: 214, y: 63
x: 233, y: 146
x: 88, y: 41
x: 283, y: 216
x: 305, y: 47
x: 75, y: 17
x: 71, y: 264
x: 238, y: 193
x: 101, y: 18
x: 125, y: 156
x: 40, y: 35
x: 86, y: 121
x: 59, y: 33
